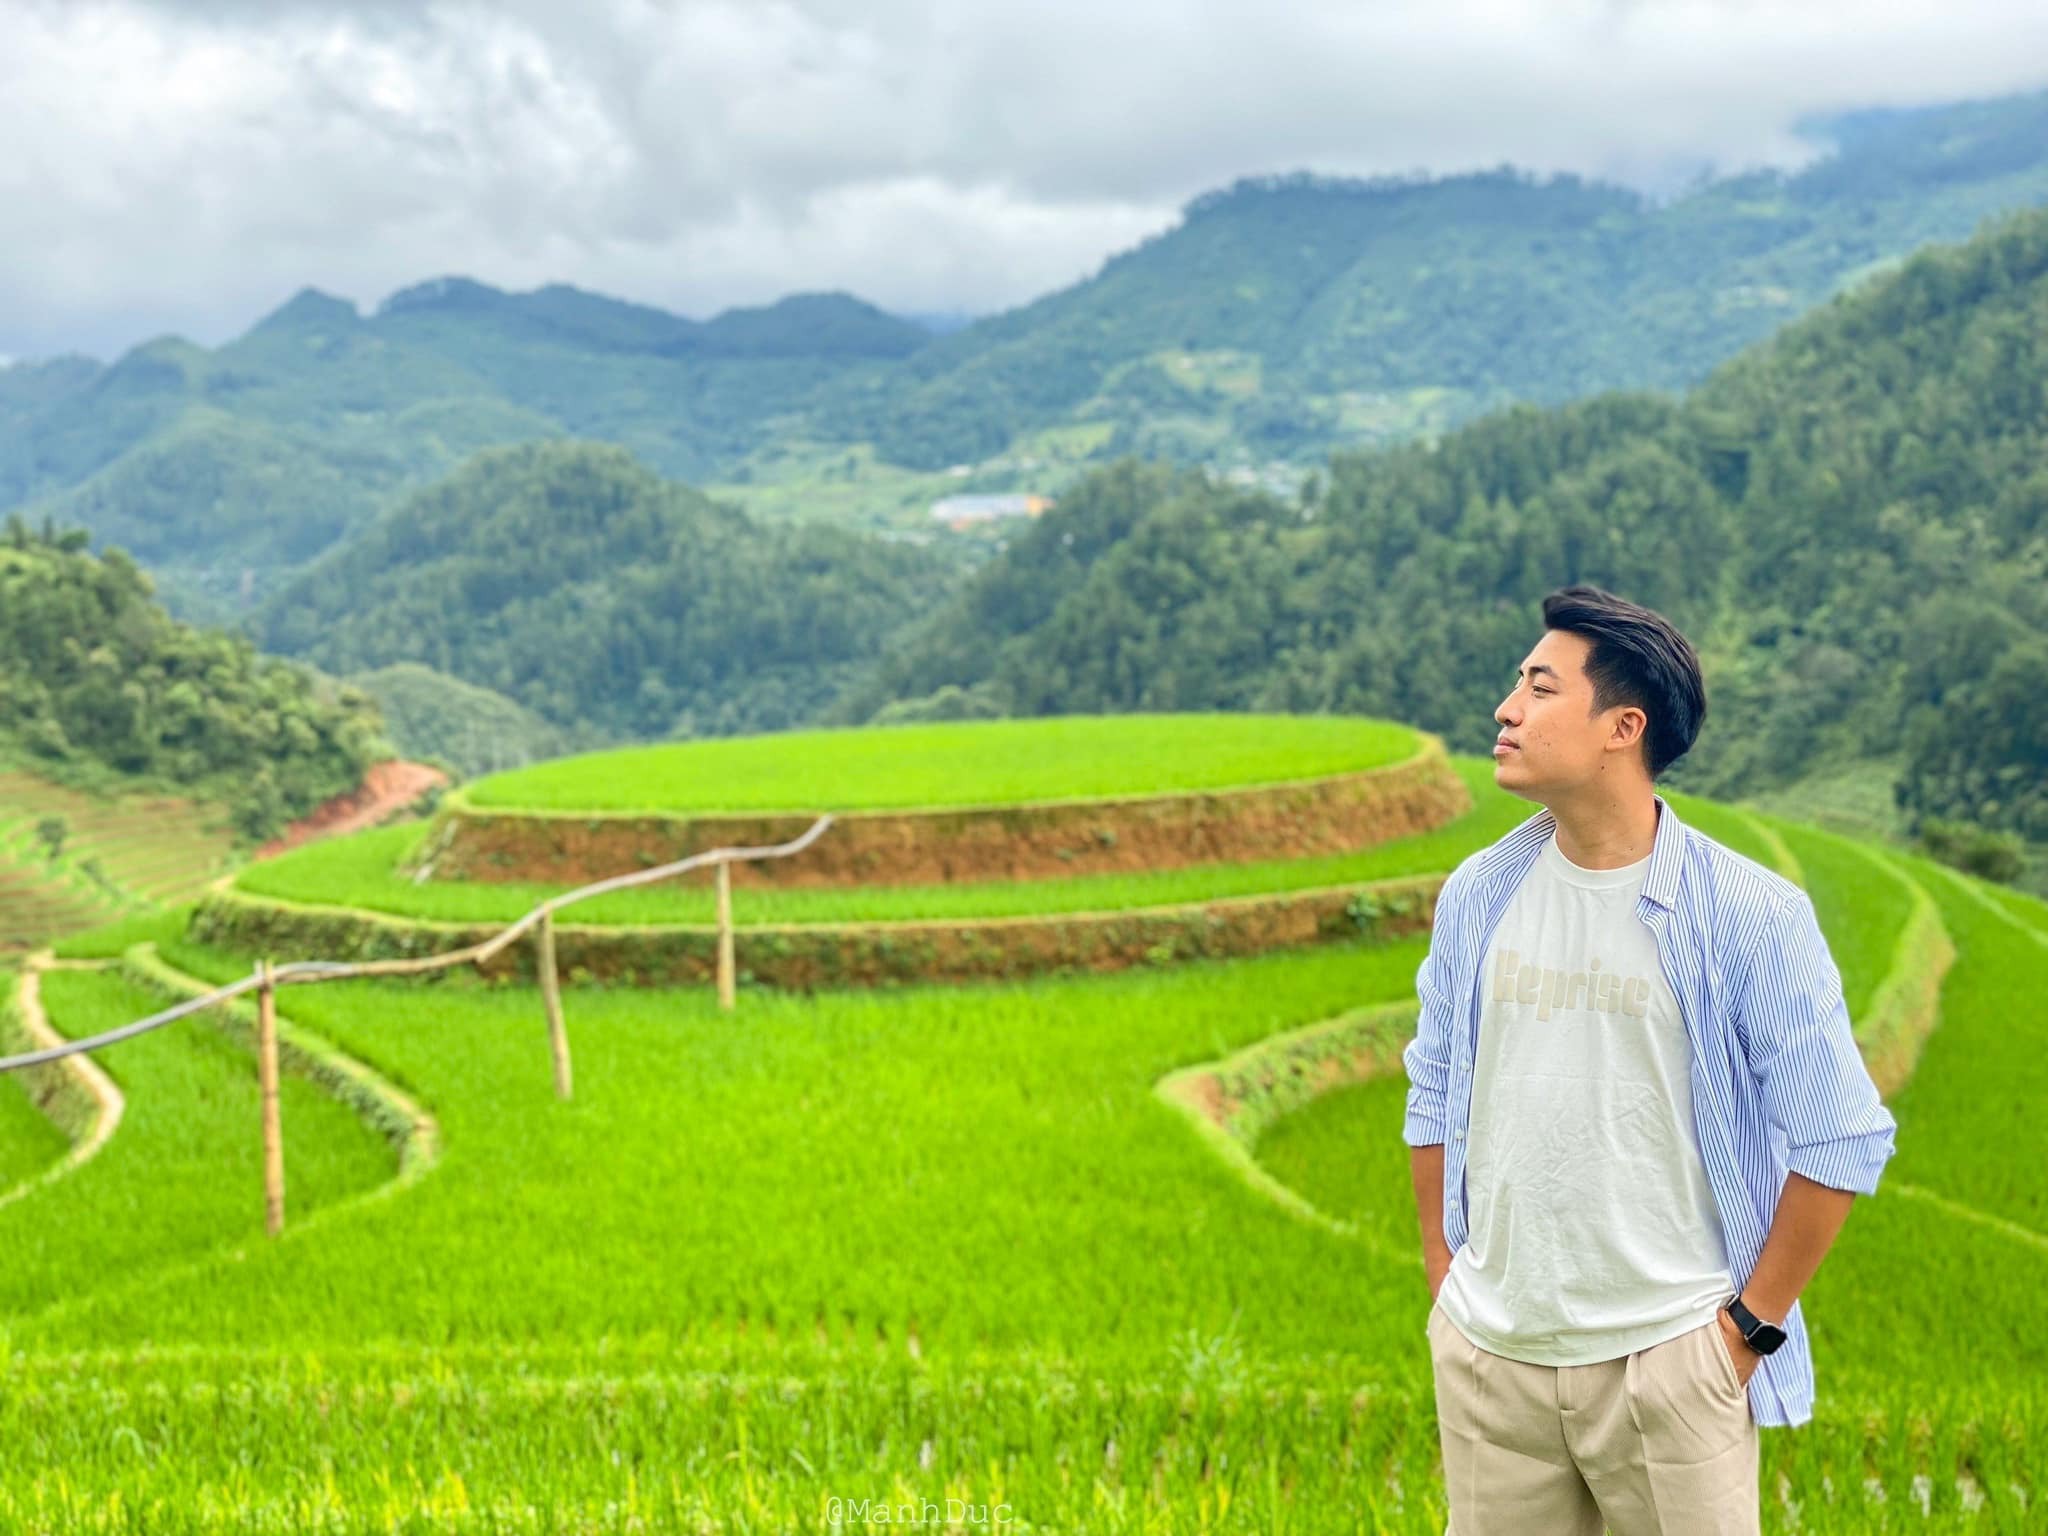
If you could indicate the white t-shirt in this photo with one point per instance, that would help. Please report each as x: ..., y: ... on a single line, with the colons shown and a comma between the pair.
x: 1593, y: 1228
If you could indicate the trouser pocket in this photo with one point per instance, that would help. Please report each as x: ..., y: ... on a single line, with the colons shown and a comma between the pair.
x: 1724, y: 1362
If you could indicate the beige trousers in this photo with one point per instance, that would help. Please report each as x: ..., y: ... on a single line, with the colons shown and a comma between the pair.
x: 1656, y: 1443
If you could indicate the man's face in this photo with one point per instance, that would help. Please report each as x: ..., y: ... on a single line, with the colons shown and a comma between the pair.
x: 1559, y: 742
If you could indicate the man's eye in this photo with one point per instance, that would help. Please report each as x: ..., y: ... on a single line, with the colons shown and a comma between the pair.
x: 1540, y: 690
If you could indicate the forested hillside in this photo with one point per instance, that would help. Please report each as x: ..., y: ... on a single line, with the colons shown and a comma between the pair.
x: 569, y: 579
x: 1281, y: 319
x: 1848, y: 520
x: 98, y: 686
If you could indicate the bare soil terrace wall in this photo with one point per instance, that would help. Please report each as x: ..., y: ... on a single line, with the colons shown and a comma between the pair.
x: 1044, y: 840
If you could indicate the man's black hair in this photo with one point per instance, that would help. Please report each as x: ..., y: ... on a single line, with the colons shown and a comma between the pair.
x: 1638, y: 658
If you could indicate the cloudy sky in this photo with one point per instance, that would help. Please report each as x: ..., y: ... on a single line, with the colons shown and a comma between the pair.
x: 188, y: 166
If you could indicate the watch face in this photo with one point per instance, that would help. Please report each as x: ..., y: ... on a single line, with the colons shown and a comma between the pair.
x: 1767, y: 1337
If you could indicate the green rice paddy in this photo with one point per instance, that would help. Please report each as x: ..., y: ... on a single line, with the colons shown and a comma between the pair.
x: 963, y: 763
x: 919, y: 1245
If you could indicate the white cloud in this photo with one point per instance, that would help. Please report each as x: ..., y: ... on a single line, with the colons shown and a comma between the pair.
x: 186, y: 167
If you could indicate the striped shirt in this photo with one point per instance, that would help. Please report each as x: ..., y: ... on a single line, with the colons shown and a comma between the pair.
x: 1777, y: 1081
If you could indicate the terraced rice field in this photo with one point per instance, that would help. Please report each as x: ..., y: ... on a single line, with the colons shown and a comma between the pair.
x: 983, y: 762
x: 850, y: 1249
x: 365, y: 872
x: 151, y: 852
x: 34, y: 906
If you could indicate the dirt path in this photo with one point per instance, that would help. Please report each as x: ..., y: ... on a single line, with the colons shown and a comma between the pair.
x: 387, y: 787
x: 108, y: 1104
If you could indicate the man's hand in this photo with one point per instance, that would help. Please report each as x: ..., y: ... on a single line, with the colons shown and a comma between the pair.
x: 1746, y: 1359
x: 1428, y: 1164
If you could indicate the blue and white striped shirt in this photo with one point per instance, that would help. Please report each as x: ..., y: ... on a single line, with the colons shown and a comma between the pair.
x: 1777, y: 1081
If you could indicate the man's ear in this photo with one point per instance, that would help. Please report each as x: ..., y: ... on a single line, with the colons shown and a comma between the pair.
x: 1621, y: 723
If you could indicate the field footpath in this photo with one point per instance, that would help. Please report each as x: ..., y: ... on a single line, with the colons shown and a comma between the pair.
x: 1906, y: 1006
x: 74, y: 1092
x: 1962, y: 1211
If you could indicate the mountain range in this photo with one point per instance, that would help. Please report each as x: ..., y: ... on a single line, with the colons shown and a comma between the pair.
x: 1281, y: 319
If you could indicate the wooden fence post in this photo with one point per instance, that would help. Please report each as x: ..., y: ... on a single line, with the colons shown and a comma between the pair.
x: 725, y: 981
x: 551, y: 996
x: 266, y: 1076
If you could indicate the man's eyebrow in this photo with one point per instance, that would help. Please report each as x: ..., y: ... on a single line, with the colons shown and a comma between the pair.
x: 1540, y: 667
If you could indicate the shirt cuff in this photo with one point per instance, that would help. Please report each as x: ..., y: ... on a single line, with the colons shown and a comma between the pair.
x: 1421, y: 1128
x: 1851, y: 1163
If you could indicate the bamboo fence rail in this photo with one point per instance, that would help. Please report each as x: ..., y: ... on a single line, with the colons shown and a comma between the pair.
x: 267, y: 978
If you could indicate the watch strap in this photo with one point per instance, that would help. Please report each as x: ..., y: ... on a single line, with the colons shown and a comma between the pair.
x: 1749, y: 1324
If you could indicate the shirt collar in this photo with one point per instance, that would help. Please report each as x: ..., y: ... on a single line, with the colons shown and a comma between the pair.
x: 1520, y: 847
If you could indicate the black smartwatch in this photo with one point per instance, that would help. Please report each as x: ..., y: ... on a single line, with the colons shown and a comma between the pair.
x: 1759, y: 1335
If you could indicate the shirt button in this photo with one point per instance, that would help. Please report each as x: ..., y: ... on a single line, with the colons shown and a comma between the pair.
x: 1461, y: 1134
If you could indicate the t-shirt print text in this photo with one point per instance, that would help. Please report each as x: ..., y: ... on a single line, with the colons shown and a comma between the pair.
x: 1518, y: 980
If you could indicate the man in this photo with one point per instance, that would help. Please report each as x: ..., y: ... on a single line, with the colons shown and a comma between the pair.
x: 1638, y: 1118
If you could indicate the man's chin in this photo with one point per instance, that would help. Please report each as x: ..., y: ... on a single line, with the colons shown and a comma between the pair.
x: 1510, y: 778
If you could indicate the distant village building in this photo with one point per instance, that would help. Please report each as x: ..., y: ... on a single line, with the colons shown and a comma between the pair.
x: 962, y: 511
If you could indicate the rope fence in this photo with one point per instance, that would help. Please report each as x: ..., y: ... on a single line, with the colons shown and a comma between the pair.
x: 267, y: 978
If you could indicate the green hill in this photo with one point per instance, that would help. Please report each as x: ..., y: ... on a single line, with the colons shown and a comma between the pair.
x: 572, y: 581
x: 1280, y: 319
x: 431, y: 716
x: 137, y: 754
x: 101, y: 689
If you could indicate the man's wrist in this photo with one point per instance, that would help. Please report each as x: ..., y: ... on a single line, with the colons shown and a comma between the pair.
x: 1762, y: 1306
